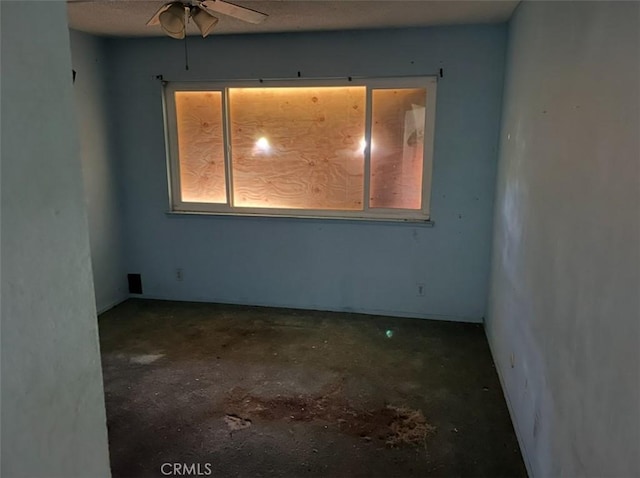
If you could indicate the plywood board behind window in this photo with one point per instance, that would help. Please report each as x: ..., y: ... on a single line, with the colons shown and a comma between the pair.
x: 298, y: 148
x: 397, y: 147
x: 200, y: 146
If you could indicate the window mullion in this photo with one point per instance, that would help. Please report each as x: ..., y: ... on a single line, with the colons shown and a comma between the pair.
x: 367, y: 149
x: 226, y: 122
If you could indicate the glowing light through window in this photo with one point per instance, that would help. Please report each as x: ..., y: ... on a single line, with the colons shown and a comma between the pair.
x: 363, y: 146
x: 262, y: 145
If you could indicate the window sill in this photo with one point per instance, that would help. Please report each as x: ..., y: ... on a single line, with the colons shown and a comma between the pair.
x: 422, y: 222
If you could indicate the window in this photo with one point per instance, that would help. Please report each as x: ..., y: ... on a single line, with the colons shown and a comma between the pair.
x: 357, y: 149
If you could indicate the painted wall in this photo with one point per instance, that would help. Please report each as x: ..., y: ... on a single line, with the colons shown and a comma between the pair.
x: 100, y: 173
x: 53, y: 416
x: 564, y: 316
x: 319, y: 264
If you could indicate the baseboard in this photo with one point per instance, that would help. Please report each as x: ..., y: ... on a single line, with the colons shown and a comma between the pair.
x: 366, y: 311
x: 514, y: 421
x: 111, y: 305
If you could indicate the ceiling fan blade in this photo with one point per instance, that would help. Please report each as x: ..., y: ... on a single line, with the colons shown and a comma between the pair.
x: 155, y: 19
x: 241, y: 13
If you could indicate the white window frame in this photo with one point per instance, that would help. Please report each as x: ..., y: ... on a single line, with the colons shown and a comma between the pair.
x: 376, y: 214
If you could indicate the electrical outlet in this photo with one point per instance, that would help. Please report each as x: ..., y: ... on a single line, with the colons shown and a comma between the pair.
x: 179, y: 275
x: 420, y: 289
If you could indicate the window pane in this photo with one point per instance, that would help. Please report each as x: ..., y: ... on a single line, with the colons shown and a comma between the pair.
x: 298, y: 148
x: 200, y: 146
x: 397, y: 148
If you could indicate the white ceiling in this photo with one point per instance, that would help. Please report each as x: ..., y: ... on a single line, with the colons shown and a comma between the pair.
x: 128, y: 17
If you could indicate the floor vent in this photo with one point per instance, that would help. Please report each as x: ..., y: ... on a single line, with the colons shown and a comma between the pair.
x: 135, y: 283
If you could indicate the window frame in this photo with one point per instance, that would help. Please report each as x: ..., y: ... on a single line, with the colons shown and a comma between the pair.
x: 429, y: 83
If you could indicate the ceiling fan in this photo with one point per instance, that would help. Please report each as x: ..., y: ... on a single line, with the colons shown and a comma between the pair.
x: 172, y: 16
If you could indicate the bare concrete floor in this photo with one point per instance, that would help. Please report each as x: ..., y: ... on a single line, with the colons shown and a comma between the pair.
x: 248, y: 391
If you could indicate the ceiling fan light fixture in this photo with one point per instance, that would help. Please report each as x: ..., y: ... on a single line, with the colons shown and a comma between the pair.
x: 172, y: 21
x: 204, y: 21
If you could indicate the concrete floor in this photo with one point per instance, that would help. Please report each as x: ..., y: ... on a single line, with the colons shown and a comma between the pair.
x: 249, y: 391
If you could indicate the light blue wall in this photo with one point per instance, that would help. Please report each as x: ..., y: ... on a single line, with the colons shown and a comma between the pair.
x: 53, y: 414
x: 564, y: 311
x: 99, y: 169
x: 318, y: 264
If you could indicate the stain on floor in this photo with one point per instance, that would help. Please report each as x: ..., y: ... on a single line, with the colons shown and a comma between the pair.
x: 252, y: 391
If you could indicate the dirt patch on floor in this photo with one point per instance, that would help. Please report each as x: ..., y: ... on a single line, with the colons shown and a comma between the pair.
x: 408, y: 427
x: 395, y: 426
